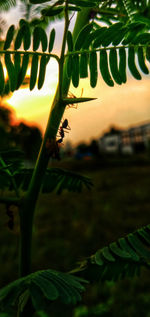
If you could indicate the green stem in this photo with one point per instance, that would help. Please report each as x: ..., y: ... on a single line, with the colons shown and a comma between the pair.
x: 62, y: 55
x: 28, y: 203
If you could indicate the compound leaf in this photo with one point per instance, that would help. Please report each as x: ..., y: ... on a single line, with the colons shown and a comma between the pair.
x: 52, y: 11
x: 104, y: 68
x: 100, y: 35
x: 34, y: 69
x: 75, y: 70
x: 17, y: 61
x: 51, y: 40
x: 148, y: 53
x: 23, y: 70
x: 69, y: 66
x: 11, y: 71
x: 131, y: 63
x: 27, y: 36
x: 43, y: 63
x: 9, y: 37
x: 48, y: 289
x: 81, y: 38
x: 114, y: 66
x: 2, y: 79
x: 112, y: 33
x: 43, y: 38
x: 19, y: 39
x: 141, y: 60
x: 93, y: 69
x: 70, y: 41
x: 125, y: 257
x: 83, y: 65
x: 36, y: 39
x: 43, y: 287
x: 122, y: 64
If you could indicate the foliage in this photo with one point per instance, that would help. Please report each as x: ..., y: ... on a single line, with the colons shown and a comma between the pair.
x: 41, y: 286
x: 124, y: 41
x: 122, y: 258
x: 128, y: 42
x: 7, y: 4
x: 14, y: 176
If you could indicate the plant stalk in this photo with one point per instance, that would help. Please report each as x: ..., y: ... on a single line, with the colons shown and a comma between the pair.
x: 28, y: 203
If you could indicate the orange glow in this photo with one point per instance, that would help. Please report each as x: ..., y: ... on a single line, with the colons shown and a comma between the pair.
x: 33, y: 106
x: 121, y: 105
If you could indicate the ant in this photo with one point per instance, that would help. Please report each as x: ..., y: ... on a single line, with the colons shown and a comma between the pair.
x: 52, y: 148
x: 65, y: 126
x: 71, y: 95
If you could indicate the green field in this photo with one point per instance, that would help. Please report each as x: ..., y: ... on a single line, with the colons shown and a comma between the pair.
x: 72, y: 226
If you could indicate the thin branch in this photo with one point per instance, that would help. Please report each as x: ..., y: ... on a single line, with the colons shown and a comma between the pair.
x: 29, y: 52
x: 62, y: 55
x: 104, y: 49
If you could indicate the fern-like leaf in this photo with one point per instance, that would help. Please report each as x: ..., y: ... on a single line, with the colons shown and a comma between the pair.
x: 5, y: 5
x: 43, y: 63
x: 114, y: 66
x: 55, y: 179
x: 23, y: 70
x: 125, y: 257
x: 9, y: 37
x: 131, y: 63
x: 34, y: 70
x: 51, y: 40
x: 2, y: 79
x: 59, y: 180
x: 17, y: 62
x: 130, y: 45
x: 75, y: 70
x: 103, y: 64
x: 42, y: 287
x: 84, y: 65
x: 82, y: 36
x: 93, y: 69
x: 11, y: 71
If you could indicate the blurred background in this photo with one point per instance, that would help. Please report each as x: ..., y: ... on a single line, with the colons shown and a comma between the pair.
x: 109, y: 141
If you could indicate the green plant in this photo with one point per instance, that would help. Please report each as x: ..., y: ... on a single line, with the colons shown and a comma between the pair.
x: 124, y: 38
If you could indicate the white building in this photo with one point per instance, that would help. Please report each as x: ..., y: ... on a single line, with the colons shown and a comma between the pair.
x: 129, y: 141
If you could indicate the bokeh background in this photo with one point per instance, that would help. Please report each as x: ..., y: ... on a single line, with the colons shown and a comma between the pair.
x: 71, y: 226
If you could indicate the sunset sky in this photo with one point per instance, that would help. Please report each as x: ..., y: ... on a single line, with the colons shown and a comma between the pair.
x: 122, y: 106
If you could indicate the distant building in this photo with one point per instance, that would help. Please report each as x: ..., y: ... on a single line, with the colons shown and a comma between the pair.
x: 110, y: 141
x: 133, y: 140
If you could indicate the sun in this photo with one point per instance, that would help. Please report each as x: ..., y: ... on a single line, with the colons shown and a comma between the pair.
x: 34, y: 105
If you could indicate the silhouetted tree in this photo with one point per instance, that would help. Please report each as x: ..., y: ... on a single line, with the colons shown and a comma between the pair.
x: 28, y: 139
x: 25, y: 137
x: 93, y: 148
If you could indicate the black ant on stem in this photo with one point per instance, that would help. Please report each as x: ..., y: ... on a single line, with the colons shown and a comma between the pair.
x: 51, y: 145
x: 62, y: 130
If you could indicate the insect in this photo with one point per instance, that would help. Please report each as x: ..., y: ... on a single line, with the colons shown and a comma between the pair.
x: 73, y: 105
x: 62, y: 130
x: 52, y: 148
